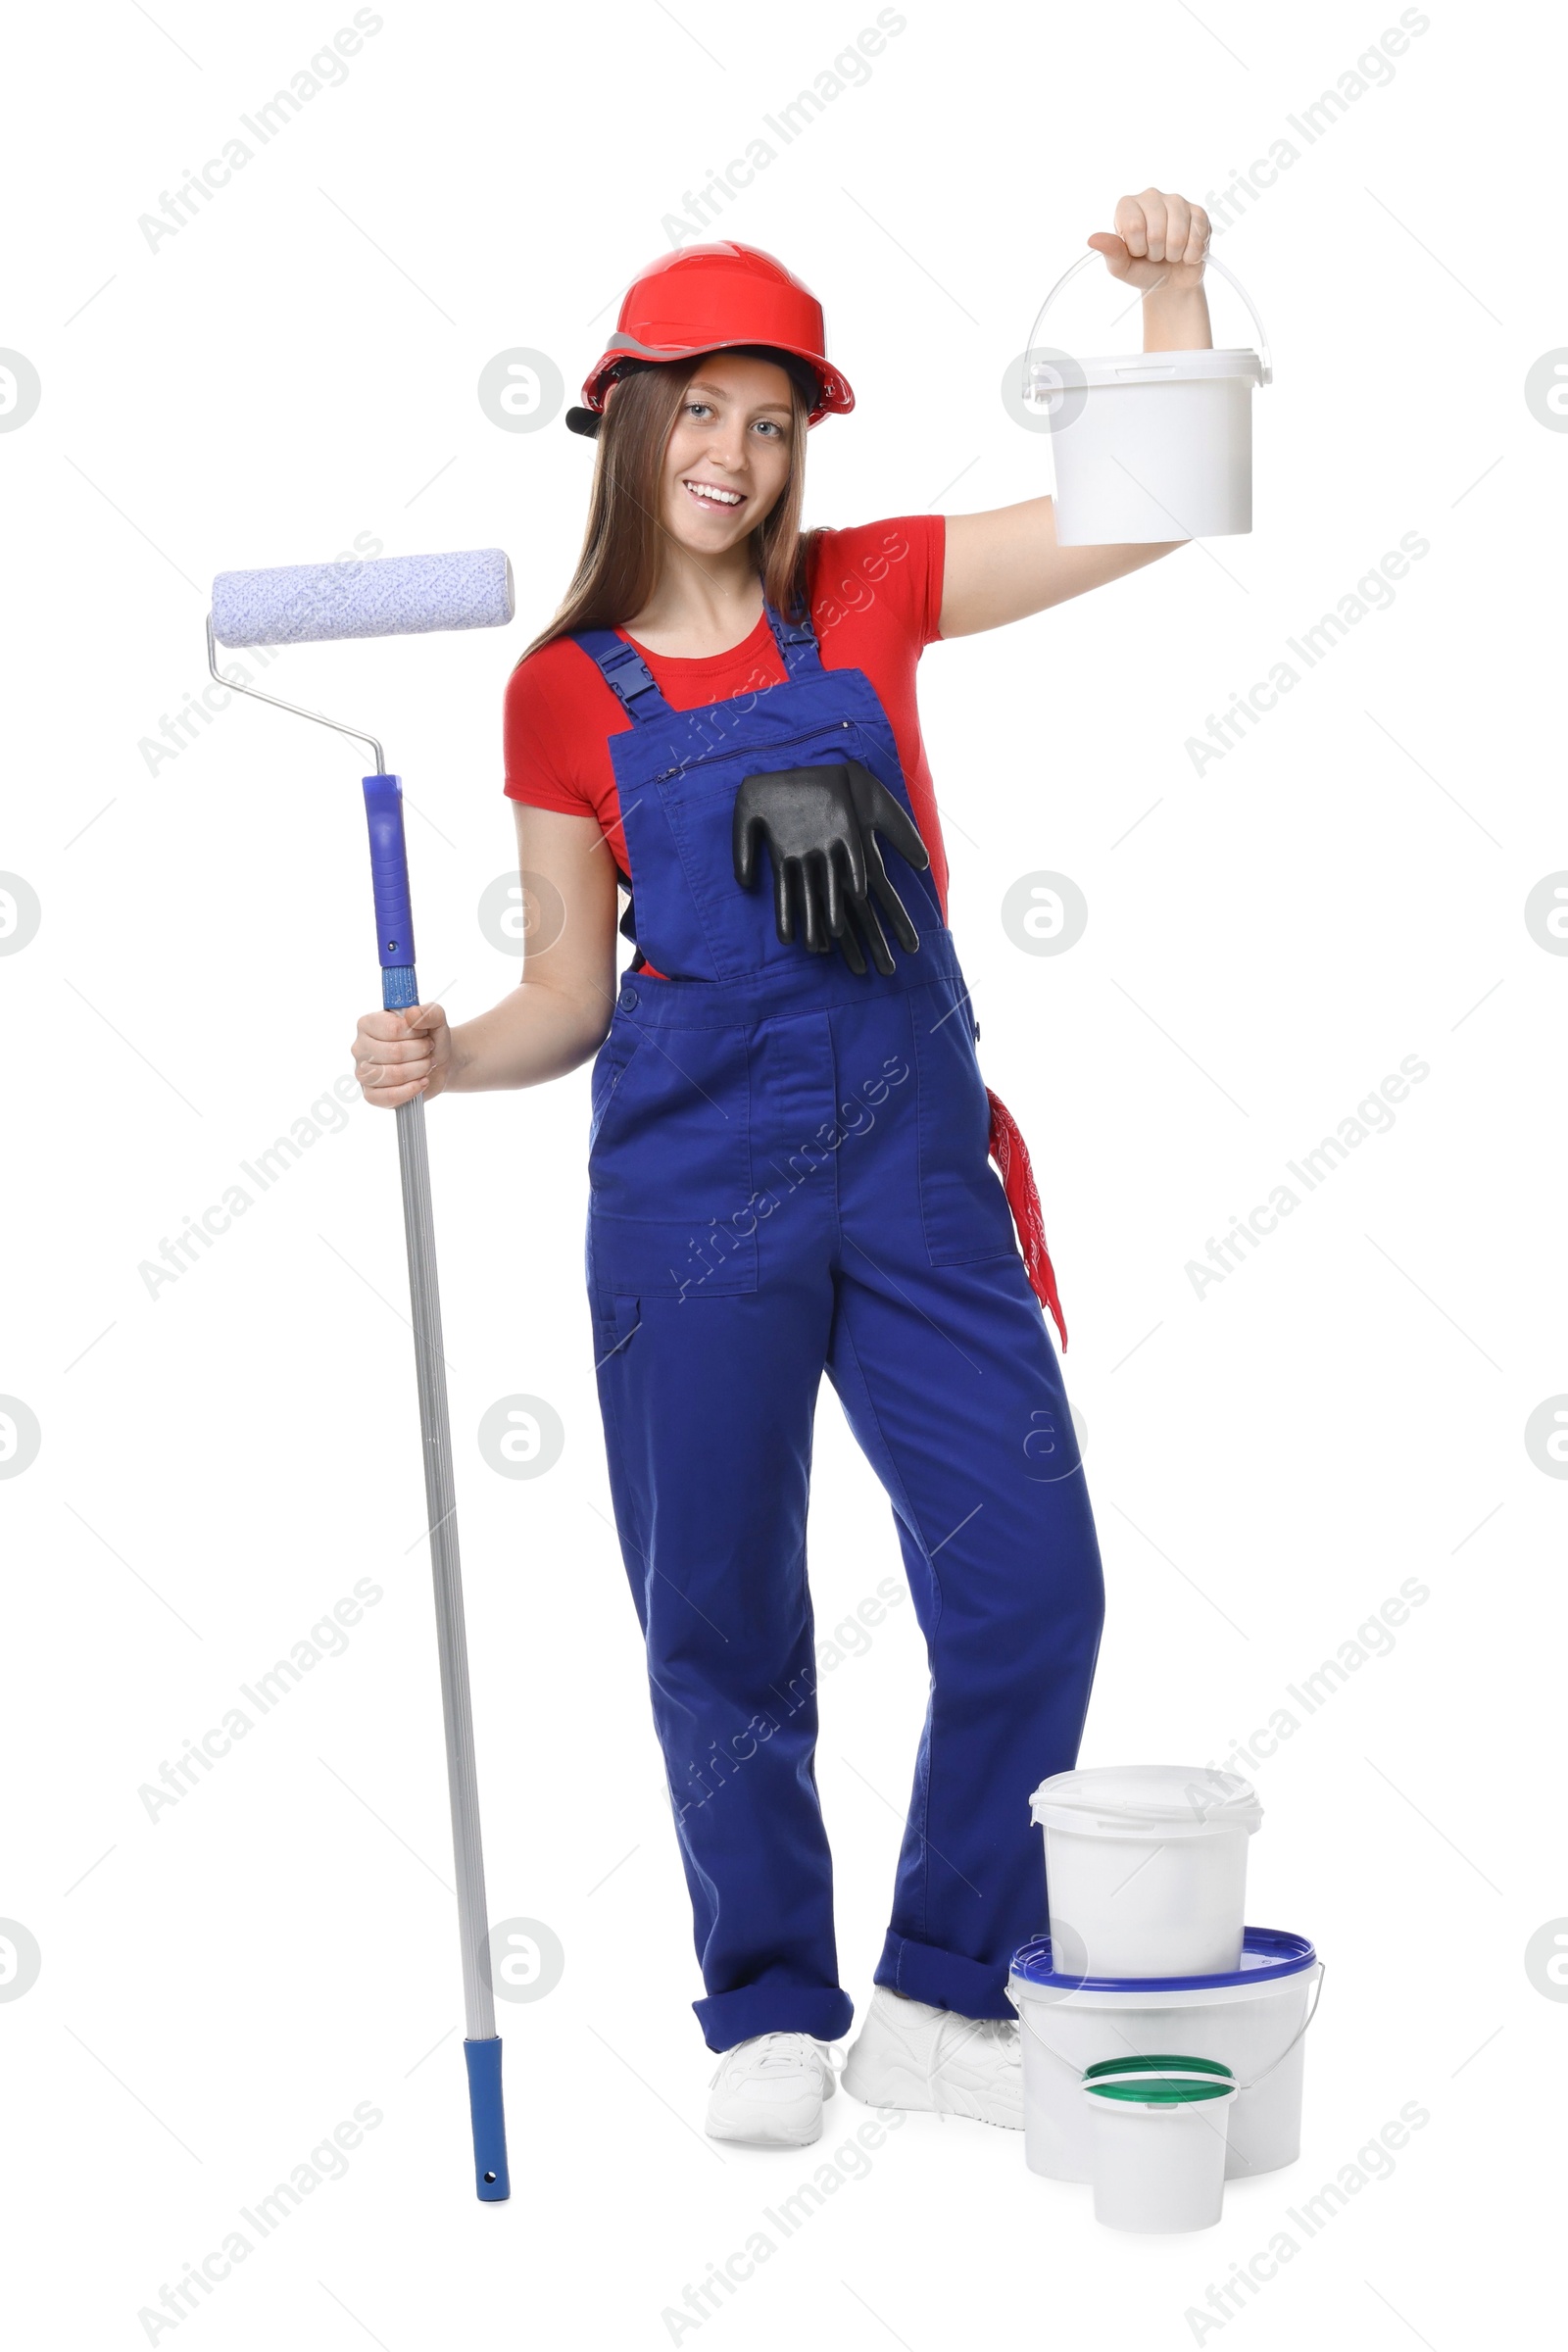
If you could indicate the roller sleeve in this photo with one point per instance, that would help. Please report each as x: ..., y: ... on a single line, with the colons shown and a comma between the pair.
x: 388, y: 595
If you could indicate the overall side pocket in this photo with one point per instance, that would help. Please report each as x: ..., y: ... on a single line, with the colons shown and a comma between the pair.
x: 963, y: 1206
x: 613, y: 1060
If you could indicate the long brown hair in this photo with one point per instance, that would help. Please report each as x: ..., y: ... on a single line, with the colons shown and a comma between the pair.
x: 623, y: 544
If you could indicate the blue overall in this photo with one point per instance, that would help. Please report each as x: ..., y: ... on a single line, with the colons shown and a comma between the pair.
x: 789, y: 1175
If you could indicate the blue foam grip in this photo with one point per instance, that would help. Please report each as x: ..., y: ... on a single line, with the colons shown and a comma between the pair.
x: 389, y: 870
x: 491, y: 2180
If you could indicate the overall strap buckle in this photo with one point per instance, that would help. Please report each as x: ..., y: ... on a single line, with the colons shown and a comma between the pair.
x: 628, y: 673
x: 796, y: 645
x: 625, y: 672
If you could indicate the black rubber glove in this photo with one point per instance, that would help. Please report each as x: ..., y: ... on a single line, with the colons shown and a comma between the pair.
x: 820, y: 826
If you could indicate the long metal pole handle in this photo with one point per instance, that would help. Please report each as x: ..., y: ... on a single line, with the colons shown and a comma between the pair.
x: 440, y: 1494
x: 400, y: 990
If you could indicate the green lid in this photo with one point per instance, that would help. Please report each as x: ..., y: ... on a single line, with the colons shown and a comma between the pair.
x: 1159, y: 2082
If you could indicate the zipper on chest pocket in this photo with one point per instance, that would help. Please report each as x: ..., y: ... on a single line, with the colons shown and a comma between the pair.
x: 684, y: 767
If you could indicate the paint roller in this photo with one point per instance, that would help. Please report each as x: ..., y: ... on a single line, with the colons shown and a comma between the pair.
x: 407, y: 596
x: 390, y: 596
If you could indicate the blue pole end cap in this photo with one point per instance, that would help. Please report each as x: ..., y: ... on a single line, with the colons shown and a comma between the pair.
x: 491, y: 2180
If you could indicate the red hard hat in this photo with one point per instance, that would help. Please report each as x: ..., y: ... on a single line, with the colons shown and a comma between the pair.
x: 711, y: 298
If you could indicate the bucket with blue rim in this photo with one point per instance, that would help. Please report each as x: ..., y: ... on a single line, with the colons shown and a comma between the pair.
x: 1252, y: 2020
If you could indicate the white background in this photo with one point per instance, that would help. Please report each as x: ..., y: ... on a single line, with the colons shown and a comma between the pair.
x: 221, y: 1462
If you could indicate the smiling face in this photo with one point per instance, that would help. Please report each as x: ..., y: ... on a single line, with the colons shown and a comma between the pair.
x: 728, y: 455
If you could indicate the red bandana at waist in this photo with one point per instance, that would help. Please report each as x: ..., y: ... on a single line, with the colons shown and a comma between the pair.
x: 1012, y: 1156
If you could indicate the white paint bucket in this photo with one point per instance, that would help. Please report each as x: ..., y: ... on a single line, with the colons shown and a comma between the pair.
x: 1253, y: 2019
x: 1158, y: 2131
x: 1154, y: 447
x: 1145, y: 1868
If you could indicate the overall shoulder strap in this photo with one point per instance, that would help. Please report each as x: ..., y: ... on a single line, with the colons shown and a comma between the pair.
x: 796, y: 645
x: 626, y: 673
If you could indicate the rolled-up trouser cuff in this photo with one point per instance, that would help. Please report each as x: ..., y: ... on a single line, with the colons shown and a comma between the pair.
x: 820, y: 2010
x: 944, y: 1979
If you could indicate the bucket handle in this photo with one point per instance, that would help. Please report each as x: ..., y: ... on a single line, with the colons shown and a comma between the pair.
x: 1317, y: 1996
x: 1211, y: 262
x: 1023, y: 2008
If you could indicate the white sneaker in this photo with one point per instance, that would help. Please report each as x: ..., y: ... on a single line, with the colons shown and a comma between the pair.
x: 768, y: 2091
x: 907, y: 2054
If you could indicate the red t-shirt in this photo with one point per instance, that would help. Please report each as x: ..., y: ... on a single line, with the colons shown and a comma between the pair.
x: 875, y: 595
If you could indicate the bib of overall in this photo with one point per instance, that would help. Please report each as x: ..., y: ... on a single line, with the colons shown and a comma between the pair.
x: 789, y: 1175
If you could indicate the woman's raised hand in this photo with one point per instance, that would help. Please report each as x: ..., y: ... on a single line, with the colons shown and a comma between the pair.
x: 400, y: 1054
x: 1158, y: 240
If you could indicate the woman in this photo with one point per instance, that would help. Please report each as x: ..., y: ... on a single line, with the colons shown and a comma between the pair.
x: 789, y: 1160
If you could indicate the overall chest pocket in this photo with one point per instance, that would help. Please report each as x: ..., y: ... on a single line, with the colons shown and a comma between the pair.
x: 670, y: 1164
x: 737, y: 925
x: 963, y: 1206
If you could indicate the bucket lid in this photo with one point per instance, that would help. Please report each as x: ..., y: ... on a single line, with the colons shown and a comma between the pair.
x: 1171, y: 367
x: 1146, y: 1801
x: 1159, y: 2082
x: 1267, y: 1953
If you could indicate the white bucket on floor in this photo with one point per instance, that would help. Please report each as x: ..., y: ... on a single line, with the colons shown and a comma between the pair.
x: 1157, y: 2127
x: 1145, y: 1868
x: 1252, y: 2020
x: 1154, y: 445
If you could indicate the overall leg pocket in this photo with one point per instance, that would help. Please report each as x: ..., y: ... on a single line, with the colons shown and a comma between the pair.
x: 963, y: 1206
x: 672, y: 1213
x: 616, y: 1319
